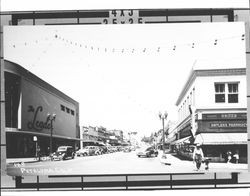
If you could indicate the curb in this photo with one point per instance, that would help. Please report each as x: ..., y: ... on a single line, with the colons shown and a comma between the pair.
x: 19, y: 161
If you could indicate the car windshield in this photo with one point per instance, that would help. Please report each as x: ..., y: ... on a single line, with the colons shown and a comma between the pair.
x: 61, y: 149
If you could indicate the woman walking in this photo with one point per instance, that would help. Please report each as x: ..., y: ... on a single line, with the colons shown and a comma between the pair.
x: 198, y: 156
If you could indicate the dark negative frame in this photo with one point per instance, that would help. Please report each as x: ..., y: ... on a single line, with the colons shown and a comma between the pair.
x: 126, y: 184
x: 131, y: 184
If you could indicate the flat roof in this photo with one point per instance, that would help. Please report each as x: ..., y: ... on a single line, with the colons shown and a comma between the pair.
x: 207, y: 72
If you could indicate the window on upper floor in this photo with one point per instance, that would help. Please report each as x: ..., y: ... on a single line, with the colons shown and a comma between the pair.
x: 226, y: 92
x: 232, y: 92
x: 62, y: 107
x: 219, y: 93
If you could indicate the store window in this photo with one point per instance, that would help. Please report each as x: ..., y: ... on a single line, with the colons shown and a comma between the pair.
x: 233, y: 93
x: 219, y: 93
x: 12, y: 97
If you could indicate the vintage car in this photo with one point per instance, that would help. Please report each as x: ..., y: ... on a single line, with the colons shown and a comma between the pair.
x: 82, y: 152
x: 147, y: 152
x: 127, y: 149
x: 89, y: 151
x: 63, y: 153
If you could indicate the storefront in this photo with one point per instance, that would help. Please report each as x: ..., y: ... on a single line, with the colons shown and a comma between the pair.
x: 216, y: 145
x: 24, y: 145
x: 218, y: 133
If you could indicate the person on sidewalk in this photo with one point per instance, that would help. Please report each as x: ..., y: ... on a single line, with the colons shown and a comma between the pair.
x: 229, y: 156
x: 198, y: 156
x: 236, y: 157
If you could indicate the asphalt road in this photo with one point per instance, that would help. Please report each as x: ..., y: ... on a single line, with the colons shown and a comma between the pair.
x: 118, y: 163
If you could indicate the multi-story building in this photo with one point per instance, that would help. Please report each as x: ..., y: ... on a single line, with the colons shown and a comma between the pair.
x: 100, y: 136
x: 212, y: 110
x: 37, y: 114
x: 89, y: 136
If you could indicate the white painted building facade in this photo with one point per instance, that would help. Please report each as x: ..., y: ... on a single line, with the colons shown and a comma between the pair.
x: 212, y: 111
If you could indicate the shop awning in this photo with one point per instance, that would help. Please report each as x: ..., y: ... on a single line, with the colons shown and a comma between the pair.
x: 221, y: 138
x: 15, y: 130
x: 183, y: 140
x: 93, y: 142
x: 170, y: 140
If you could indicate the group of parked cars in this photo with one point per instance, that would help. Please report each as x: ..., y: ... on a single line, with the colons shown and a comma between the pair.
x: 98, y: 150
x: 67, y: 152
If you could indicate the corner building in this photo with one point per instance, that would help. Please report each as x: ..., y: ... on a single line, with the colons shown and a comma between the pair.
x: 28, y: 101
x: 212, y: 110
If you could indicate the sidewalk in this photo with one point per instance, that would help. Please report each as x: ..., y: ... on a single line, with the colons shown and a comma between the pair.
x: 26, y: 160
x: 214, y: 167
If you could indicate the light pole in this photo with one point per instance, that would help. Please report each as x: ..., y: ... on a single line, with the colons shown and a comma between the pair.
x: 51, y: 118
x: 163, y: 117
x: 35, y: 140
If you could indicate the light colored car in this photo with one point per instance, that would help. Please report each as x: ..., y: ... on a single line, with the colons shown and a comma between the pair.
x: 127, y: 149
x: 82, y: 152
x: 89, y: 151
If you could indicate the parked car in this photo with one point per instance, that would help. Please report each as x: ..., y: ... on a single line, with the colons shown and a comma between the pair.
x: 82, y: 152
x: 127, y: 149
x: 63, y: 153
x: 147, y: 152
x: 103, y: 149
x: 98, y: 150
x: 111, y: 149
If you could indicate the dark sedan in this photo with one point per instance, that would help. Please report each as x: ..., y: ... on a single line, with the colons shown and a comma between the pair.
x: 147, y: 152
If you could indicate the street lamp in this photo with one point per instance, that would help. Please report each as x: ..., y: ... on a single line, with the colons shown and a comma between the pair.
x: 51, y: 118
x: 163, y: 117
x: 35, y: 140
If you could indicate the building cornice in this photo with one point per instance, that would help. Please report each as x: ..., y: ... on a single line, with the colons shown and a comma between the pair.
x: 206, y: 73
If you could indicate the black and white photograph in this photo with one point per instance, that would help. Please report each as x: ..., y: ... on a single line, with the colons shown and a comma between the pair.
x: 116, y: 93
x: 104, y: 99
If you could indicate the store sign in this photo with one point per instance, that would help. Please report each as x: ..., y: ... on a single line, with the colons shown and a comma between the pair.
x: 36, y: 124
x: 228, y: 125
x: 123, y: 17
x: 224, y: 116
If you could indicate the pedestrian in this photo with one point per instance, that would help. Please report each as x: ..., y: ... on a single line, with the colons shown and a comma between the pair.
x: 236, y: 156
x: 229, y: 156
x: 39, y: 153
x: 198, y: 156
x: 206, y: 161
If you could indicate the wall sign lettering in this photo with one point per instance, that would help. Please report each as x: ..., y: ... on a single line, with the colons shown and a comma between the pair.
x: 37, y: 124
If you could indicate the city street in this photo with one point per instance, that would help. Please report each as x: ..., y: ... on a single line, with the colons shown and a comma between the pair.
x: 118, y: 163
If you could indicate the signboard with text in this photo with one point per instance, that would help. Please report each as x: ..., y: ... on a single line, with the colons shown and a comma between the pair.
x: 224, y: 116
x: 228, y: 125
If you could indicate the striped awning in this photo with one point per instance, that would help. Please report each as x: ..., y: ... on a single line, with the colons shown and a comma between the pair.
x: 221, y: 138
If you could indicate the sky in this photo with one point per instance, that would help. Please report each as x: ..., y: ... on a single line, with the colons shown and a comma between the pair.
x: 123, y: 75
